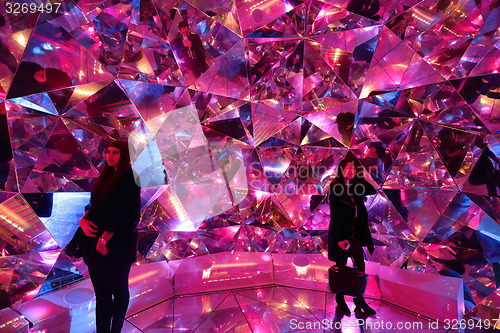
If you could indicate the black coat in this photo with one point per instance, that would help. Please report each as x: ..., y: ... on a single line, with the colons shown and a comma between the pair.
x: 343, y: 221
x: 199, y: 62
x: 118, y: 211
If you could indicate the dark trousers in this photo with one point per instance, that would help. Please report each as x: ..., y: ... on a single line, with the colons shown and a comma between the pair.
x: 355, y: 251
x: 112, y: 297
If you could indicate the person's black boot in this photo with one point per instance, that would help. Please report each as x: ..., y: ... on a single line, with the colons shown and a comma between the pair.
x: 342, y: 306
x: 361, y: 305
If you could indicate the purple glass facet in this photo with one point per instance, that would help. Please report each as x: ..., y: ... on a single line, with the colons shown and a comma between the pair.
x: 229, y: 155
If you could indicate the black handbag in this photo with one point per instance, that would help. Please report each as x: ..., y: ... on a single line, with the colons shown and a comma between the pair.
x: 347, y: 281
x: 76, y: 246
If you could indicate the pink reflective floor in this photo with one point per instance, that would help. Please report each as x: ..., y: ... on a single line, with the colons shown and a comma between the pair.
x: 270, y: 309
x: 254, y: 304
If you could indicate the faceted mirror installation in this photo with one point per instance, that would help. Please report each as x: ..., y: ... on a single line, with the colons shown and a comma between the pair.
x: 237, y: 134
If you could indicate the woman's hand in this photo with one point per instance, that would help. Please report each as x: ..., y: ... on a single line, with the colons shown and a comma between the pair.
x: 101, y: 248
x: 344, y: 245
x: 89, y: 228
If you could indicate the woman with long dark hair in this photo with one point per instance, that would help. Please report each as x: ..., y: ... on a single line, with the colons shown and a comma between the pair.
x: 110, y: 224
x: 349, y: 231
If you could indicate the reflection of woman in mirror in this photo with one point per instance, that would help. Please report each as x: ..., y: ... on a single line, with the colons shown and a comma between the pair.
x: 349, y: 231
x: 378, y: 161
x: 485, y: 172
x: 451, y: 149
x: 345, y: 124
x: 188, y: 48
x: 27, y: 80
x: 31, y: 78
x: 62, y: 156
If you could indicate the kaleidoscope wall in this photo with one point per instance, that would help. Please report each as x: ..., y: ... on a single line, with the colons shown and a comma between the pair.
x: 230, y: 155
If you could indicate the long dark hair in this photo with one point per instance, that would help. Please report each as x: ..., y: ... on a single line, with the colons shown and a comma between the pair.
x: 109, y: 178
x: 349, y: 158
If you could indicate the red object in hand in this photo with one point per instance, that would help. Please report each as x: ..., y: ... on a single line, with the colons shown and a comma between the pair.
x: 344, y: 245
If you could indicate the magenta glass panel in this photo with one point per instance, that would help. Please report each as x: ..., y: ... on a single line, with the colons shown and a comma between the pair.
x: 228, y: 317
x: 230, y: 154
x: 222, y: 271
x: 160, y: 286
x: 13, y: 322
x: 272, y: 309
x: 200, y: 306
x: 300, y: 270
x: 159, y: 317
x: 74, y: 307
x: 69, y: 309
x: 435, y: 296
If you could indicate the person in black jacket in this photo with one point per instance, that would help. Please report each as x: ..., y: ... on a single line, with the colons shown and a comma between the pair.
x: 188, y: 48
x: 349, y: 231
x: 110, y: 224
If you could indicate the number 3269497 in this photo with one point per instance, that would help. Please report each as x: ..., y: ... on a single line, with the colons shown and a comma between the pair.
x: 24, y: 8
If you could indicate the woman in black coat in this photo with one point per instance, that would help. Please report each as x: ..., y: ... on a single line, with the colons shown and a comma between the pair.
x: 110, y: 224
x: 349, y: 231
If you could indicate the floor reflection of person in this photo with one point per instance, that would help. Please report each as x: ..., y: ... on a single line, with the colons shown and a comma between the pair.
x: 110, y: 224
x: 189, y: 50
x: 349, y: 231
